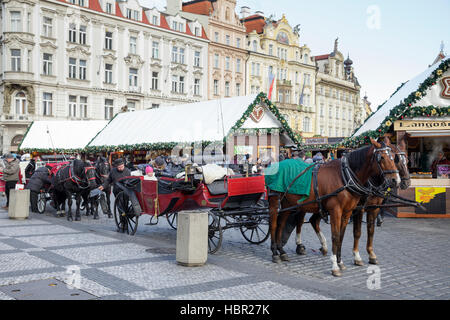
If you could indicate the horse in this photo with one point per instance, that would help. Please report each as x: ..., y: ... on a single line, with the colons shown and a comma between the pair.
x: 74, y: 179
x: 369, y: 201
x: 339, y: 187
x: 102, y: 169
x: 401, y: 161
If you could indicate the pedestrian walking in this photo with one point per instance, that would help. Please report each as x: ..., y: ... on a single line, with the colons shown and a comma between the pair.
x: 10, y: 175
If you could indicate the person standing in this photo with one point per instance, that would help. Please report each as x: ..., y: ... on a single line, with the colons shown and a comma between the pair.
x: 119, y: 171
x: 439, y: 160
x: 10, y: 175
x: 40, y: 178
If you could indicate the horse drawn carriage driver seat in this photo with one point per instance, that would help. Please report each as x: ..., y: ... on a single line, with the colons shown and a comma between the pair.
x: 214, y: 178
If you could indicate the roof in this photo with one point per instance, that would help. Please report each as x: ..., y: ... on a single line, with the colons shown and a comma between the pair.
x: 424, y: 82
x: 62, y: 135
x: 255, y: 22
x: 207, y: 121
x: 322, y: 57
x: 203, y: 7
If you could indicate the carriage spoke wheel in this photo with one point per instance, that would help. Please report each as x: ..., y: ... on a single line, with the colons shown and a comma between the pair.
x: 126, y: 220
x: 215, y: 234
x: 41, y: 202
x: 255, y: 229
x: 172, y: 219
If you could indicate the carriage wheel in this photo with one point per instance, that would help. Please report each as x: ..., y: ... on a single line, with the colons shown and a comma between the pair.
x: 172, y: 219
x: 126, y: 220
x: 256, y: 229
x: 41, y: 202
x: 215, y: 234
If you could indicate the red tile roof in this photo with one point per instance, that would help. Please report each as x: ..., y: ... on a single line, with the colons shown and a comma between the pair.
x: 203, y: 7
x: 254, y: 22
x: 322, y: 57
x: 144, y: 17
x: 118, y: 11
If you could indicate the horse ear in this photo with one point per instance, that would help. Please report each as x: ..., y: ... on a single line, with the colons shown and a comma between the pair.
x: 375, y: 143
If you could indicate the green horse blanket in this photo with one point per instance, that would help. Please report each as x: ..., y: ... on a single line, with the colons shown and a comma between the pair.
x: 279, y: 176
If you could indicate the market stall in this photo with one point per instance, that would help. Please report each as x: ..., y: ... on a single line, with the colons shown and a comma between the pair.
x: 420, y: 112
x: 240, y: 127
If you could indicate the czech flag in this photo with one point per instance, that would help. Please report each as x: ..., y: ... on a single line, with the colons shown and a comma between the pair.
x: 271, y: 83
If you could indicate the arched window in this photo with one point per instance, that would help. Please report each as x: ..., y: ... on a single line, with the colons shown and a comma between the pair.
x: 21, y: 103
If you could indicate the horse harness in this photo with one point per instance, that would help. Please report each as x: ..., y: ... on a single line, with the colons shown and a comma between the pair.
x: 74, y: 178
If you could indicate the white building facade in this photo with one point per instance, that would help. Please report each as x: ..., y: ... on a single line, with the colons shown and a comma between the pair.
x: 89, y: 59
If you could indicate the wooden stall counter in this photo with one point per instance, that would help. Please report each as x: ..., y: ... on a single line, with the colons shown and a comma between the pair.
x: 434, y: 194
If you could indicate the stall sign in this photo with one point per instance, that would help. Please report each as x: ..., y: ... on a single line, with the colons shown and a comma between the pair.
x: 309, y: 141
x: 421, y: 125
x: 443, y: 171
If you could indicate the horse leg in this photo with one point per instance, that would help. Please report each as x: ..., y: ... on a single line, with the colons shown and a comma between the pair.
x: 69, y: 204
x: 273, y: 214
x: 371, y: 217
x: 94, y: 208
x: 108, y: 201
x: 357, y: 221
x: 77, y: 212
x: 335, y: 222
x: 344, y: 221
x: 281, y: 224
x: 301, y: 250
x: 315, y: 223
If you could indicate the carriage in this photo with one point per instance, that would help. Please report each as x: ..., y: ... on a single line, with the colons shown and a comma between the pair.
x: 237, y: 201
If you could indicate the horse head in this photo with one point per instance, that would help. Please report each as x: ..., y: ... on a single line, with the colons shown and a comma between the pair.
x: 102, y: 168
x: 385, y: 161
x: 401, y: 161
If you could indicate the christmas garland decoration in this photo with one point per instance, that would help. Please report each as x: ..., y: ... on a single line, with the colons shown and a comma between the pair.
x: 24, y: 136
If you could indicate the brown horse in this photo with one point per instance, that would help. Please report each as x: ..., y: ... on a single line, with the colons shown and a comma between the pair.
x: 339, y: 187
x: 401, y: 161
x: 368, y: 201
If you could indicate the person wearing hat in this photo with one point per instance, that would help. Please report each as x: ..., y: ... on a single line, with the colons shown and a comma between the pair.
x: 10, y: 175
x: 119, y: 171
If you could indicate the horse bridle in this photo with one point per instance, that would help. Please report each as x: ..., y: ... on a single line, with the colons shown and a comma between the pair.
x: 75, y: 179
x: 377, y: 153
x: 402, y: 157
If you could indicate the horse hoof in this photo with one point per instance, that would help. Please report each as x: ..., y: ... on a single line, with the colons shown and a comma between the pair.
x: 336, y: 273
x: 276, y: 259
x: 342, y: 266
x: 324, y: 251
x: 301, y: 250
x: 373, y: 260
x: 284, y: 257
x: 358, y: 263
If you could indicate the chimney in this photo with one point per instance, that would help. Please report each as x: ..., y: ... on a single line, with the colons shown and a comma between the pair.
x: 174, y: 6
x: 260, y: 13
x: 245, y: 12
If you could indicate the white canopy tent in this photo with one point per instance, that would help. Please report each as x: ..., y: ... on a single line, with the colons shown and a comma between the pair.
x: 60, y: 135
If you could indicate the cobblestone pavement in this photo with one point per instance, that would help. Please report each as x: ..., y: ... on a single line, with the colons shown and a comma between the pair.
x: 412, y: 253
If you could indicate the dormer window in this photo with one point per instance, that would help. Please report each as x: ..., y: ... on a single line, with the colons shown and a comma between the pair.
x: 175, y: 25
x: 197, y: 31
x: 109, y: 8
x: 132, y: 14
x: 181, y: 27
x: 155, y: 20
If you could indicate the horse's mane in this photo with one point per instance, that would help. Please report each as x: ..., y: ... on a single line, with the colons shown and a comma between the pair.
x: 357, y: 158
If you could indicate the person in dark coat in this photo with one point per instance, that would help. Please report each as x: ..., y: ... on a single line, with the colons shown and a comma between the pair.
x: 29, y: 170
x: 119, y: 171
x: 40, y: 177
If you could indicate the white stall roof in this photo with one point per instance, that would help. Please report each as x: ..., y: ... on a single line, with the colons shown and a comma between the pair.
x: 61, y: 135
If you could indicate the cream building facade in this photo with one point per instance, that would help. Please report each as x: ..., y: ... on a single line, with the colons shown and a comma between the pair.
x: 337, y: 95
x: 274, y: 48
x: 89, y: 59
x: 227, y: 52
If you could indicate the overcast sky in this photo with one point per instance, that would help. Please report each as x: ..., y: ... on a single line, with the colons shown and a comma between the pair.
x: 389, y: 41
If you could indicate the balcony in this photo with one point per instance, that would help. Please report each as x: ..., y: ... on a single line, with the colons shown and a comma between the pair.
x: 134, y: 89
x: 285, y: 83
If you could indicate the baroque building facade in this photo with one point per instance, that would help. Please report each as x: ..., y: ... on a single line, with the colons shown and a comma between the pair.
x: 278, y: 64
x: 337, y: 95
x: 227, y: 50
x: 90, y: 59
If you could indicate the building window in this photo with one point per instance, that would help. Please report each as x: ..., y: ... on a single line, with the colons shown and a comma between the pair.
x: 197, y: 59
x: 72, y: 106
x: 216, y: 60
x: 227, y: 63
x: 175, y: 25
x: 109, y: 8
x: 83, y: 107
x: 29, y: 22
x: 255, y: 45
x: 83, y: 68
x: 15, y: 60
x: 174, y: 54
x: 16, y: 23
x: 21, y: 103
x: 227, y: 39
x: 181, y: 27
x: 128, y: 13
x: 29, y: 61
x: 72, y: 68
x: 337, y: 112
x: 238, y: 42
x: 216, y: 87
x: 133, y: 45
x: 82, y: 34
x: 47, y: 27
x: 109, y: 109
x: 197, y: 32
x: 238, y: 89
x: 227, y: 89
x: 47, y: 104
x: 155, y: 50
x: 181, y: 56
x: 307, y: 79
x: 72, y: 32
x: 216, y: 36
x: 155, y: 105
x: 258, y: 71
x: 155, y: 80
x: 174, y: 84
x: 48, y: 64
x: 197, y: 87
x: 155, y: 20
x: 136, y: 15
x: 270, y: 49
x: 108, y: 73
x: 306, y: 124
x: 108, y: 40
x: 131, y: 105
x: 238, y: 65
x: 133, y: 78
x: 181, y: 85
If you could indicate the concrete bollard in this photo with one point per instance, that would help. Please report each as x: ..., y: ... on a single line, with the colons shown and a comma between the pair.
x: 19, y: 204
x: 192, y: 238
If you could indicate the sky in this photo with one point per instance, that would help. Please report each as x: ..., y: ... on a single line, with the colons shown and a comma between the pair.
x: 389, y: 41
